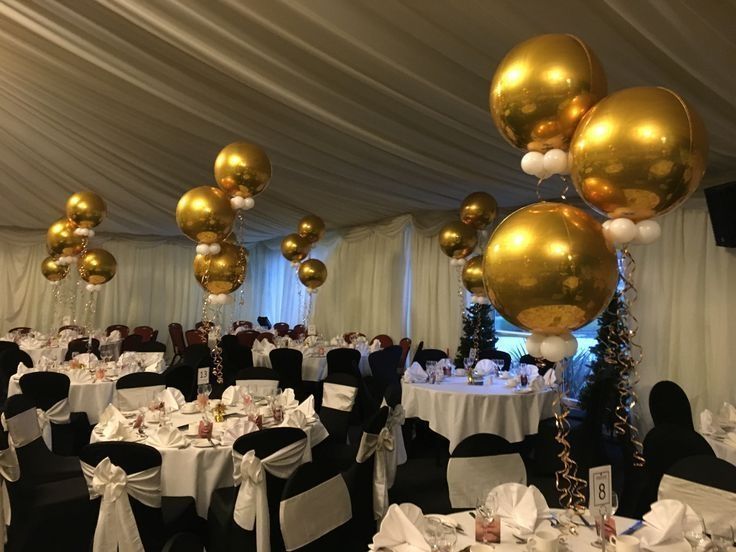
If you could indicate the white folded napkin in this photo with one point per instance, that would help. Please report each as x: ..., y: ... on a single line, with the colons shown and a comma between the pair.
x: 117, y: 430
x: 168, y: 437
x: 374, y: 346
x: 415, y: 374
x: 110, y: 413
x: 401, y: 530
x: 267, y: 347
x: 79, y: 376
x: 707, y: 427
x: 32, y: 343
x: 550, y: 377
x: 287, y: 398
x: 730, y: 439
x: 484, y: 367
x: 537, y: 385
x: 523, y: 506
x: 85, y: 358
x: 232, y: 396
x: 235, y: 428
x: 444, y: 363
x: 172, y: 398
x: 728, y: 412
x: 666, y: 523
x: 310, y: 340
x: 114, y: 336
x: 306, y: 407
x: 295, y: 418
x: 23, y: 369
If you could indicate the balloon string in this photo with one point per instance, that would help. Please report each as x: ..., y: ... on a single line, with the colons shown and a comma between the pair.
x: 56, y: 293
x: 565, y: 188
x: 568, y: 484
x: 539, y: 189
x: 208, y: 325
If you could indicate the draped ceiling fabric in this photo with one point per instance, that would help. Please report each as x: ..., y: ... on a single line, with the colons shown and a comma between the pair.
x: 367, y: 109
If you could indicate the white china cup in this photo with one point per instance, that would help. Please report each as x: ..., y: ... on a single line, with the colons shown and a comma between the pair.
x: 544, y: 541
x: 626, y: 543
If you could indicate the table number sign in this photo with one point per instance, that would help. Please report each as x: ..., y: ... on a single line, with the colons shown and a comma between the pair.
x: 600, y: 491
x: 203, y: 376
x: 472, y: 354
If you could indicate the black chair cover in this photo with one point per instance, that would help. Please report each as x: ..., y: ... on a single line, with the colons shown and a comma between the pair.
x: 140, y: 379
x: 82, y: 345
x: 424, y: 355
x: 288, y: 365
x: 495, y: 354
x: 183, y: 378
x: 706, y: 470
x: 668, y: 404
x: 132, y: 342
x: 343, y: 361
x: 482, y: 444
x: 384, y: 365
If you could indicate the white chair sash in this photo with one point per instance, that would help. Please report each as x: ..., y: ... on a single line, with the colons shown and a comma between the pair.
x: 469, y: 479
x: 10, y: 471
x: 339, y: 397
x: 257, y: 387
x: 137, y: 397
x: 57, y: 414
x: 300, y: 525
x: 23, y: 428
x: 715, y: 505
x: 384, y: 466
x: 251, y: 504
x: 116, y: 527
x: 396, y: 419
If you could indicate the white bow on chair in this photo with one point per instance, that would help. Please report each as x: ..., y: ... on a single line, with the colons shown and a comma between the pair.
x: 9, y: 471
x: 251, y: 504
x: 384, y: 466
x: 59, y: 413
x: 116, y: 527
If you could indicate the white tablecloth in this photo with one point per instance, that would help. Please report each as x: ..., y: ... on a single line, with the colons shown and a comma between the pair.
x: 723, y: 450
x: 457, y: 410
x: 314, y: 368
x: 53, y: 353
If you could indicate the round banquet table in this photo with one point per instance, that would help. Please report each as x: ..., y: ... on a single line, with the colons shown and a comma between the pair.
x: 53, y: 353
x: 723, y: 450
x: 314, y: 368
x: 457, y: 410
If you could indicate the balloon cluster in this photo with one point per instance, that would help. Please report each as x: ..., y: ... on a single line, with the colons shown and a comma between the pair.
x: 458, y: 239
x: 206, y: 215
x: 67, y: 240
x: 295, y: 248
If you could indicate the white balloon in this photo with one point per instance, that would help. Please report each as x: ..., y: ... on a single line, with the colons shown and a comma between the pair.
x: 214, y: 248
x: 555, y: 162
x: 606, y: 224
x: 236, y: 202
x: 533, y: 163
x: 203, y: 249
x: 534, y: 344
x: 249, y: 203
x: 571, y: 345
x: 621, y: 231
x: 90, y: 233
x: 90, y: 287
x: 553, y: 348
x: 647, y: 231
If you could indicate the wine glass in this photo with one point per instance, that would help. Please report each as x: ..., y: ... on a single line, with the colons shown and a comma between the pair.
x: 205, y: 389
x: 485, y: 513
x: 722, y: 535
x: 603, y: 524
x: 440, y: 536
x: 695, y: 535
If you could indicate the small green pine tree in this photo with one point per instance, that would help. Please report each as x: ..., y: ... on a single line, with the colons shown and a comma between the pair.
x: 479, y: 331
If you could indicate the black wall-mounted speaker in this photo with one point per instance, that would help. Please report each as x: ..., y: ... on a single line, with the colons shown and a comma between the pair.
x: 721, y: 205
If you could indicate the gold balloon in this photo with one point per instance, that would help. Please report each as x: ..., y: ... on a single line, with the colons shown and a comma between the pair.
x: 312, y: 228
x: 294, y: 248
x: 547, y: 268
x: 541, y: 90
x: 224, y: 272
x: 242, y: 169
x: 473, y: 276
x: 458, y: 239
x: 97, y: 266
x: 312, y: 273
x: 639, y: 153
x: 204, y: 214
x: 478, y: 210
x: 52, y: 271
x: 86, y: 209
x: 61, y: 241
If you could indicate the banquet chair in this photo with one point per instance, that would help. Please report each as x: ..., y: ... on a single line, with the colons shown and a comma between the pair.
x: 8, y: 345
x: 137, y: 390
x: 82, y: 345
x: 10, y: 358
x: 405, y: 345
x: 264, y: 322
x: 156, y: 517
x: 495, y: 354
x: 247, y: 324
x: 197, y: 355
x: 202, y: 324
x: 280, y: 451
x: 184, y: 542
x: 265, y: 335
x: 478, y: 464
x: 257, y: 380
x: 287, y: 363
x: 427, y: 355
x: 706, y: 470
x: 384, y: 340
x: 282, y: 328
x: 72, y: 327
x: 298, y: 332
x: 183, y: 378
x: 343, y: 361
x: 20, y: 330
x: 232, y: 358
x: 153, y: 346
x: 49, y: 392
x: 195, y: 337
x: 247, y: 337
x: 339, y: 396
x: 176, y: 333
x: 37, y: 463
x: 132, y: 342
x: 308, y: 490
x: 121, y: 328
x: 668, y: 404
x: 418, y: 350
x: 146, y: 332
x: 383, y: 365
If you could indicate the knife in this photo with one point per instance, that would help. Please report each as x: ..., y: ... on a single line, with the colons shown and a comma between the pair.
x: 638, y: 525
x: 585, y: 521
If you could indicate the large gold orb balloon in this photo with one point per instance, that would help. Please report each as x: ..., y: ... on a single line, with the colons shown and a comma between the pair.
x: 541, y: 90
x: 224, y: 272
x: 312, y: 273
x: 478, y: 210
x: 294, y: 248
x: 61, y: 240
x: 458, y: 239
x: 473, y: 276
x: 97, y: 266
x: 312, y: 228
x: 86, y: 209
x: 242, y: 169
x: 639, y: 153
x: 547, y: 268
x: 52, y: 271
x: 204, y: 214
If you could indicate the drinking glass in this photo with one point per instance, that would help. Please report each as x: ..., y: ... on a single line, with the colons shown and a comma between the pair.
x: 722, y: 536
x: 439, y: 536
x: 205, y: 389
x: 602, y: 522
x: 485, y: 513
x: 696, y: 535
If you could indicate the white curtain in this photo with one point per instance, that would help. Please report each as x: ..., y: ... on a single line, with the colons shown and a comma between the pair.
x: 687, y: 311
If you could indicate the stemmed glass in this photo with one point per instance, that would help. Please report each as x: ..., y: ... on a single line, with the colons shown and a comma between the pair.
x: 600, y: 522
x: 203, y: 395
x: 485, y: 514
x: 722, y: 535
x: 696, y: 535
x: 440, y: 536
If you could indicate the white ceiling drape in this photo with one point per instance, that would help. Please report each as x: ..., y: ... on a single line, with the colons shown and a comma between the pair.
x: 367, y: 109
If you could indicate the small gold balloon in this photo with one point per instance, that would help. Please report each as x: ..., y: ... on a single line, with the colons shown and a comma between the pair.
x: 547, y: 268
x: 86, y: 209
x: 639, y: 153
x: 458, y: 239
x: 478, y: 210
x: 312, y: 228
x: 204, y: 214
x: 224, y: 272
x: 294, y: 248
x: 52, y: 271
x: 473, y: 276
x: 242, y: 169
x: 61, y: 240
x: 542, y: 88
x: 312, y: 273
x: 97, y: 266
